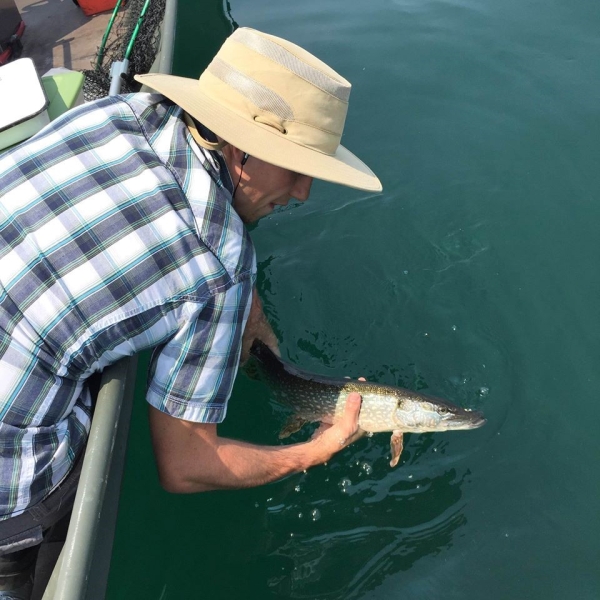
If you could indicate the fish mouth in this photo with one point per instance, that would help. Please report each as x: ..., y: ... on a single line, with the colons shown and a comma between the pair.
x: 465, y: 419
x: 474, y: 419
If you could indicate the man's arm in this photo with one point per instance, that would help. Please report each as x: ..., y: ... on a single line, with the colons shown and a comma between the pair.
x: 191, y: 457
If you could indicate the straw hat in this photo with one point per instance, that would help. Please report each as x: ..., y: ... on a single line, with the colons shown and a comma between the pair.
x: 275, y: 101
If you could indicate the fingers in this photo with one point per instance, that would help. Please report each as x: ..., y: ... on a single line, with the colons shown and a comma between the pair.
x: 274, y: 346
x: 352, y: 410
x: 330, y: 439
x: 348, y: 429
x: 351, y: 416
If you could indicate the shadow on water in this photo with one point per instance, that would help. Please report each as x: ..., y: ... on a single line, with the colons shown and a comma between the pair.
x: 387, y: 533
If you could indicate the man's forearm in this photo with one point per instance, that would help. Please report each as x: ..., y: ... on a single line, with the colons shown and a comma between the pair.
x: 234, y: 464
x: 191, y: 457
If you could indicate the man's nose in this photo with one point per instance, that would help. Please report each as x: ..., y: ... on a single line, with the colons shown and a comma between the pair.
x: 302, y: 186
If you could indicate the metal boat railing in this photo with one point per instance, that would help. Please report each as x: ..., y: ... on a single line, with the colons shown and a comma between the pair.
x: 81, y: 572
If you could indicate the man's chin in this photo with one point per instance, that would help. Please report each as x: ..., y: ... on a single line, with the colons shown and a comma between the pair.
x: 265, y: 212
x: 255, y: 216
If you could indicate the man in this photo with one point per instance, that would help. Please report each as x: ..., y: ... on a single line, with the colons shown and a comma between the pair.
x: 122, y: 228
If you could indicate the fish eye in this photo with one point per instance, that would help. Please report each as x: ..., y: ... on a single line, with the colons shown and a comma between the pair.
x: 442, y: 410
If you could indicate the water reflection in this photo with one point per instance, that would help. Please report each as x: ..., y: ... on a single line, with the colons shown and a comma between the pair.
x: 388, y: 532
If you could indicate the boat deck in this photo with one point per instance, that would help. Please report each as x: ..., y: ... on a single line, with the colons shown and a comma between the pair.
x: 58, y: 34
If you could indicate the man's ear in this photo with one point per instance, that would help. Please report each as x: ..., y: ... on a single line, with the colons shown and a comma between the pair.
x: 233, y: 157
x: 235, y: 154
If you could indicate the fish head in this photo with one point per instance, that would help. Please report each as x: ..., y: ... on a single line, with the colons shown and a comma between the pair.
x: 418, y: 413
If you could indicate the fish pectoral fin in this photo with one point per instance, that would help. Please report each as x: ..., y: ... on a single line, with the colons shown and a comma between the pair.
x: 396, y: 445
x: 293, y: 424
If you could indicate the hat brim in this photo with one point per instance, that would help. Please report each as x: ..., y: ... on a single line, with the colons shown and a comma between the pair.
x: 260, y: 140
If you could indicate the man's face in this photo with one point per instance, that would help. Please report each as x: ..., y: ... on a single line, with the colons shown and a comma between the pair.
x: 264, y: 186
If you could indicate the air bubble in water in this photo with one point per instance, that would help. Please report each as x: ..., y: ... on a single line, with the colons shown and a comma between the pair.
x: 315, y: 514
x: 367, y: 468
x: 344, y: 484
x: 300, y: 515
x: 297, y: 488
x: 484, y: 391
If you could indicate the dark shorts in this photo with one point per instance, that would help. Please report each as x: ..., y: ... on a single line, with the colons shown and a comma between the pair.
x: 22, y: 536
x: 27, y: 529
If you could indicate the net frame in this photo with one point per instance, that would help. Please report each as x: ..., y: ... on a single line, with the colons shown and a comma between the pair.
x: 97, y: 80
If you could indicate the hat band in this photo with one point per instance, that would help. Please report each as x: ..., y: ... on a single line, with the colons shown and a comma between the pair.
x: 263, y: 107
x: 265, y: 98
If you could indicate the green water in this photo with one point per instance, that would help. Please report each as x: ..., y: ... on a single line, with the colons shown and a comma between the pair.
x: 474, y: 276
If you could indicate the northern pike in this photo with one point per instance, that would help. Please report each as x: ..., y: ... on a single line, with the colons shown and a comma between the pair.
x: 384, y: 407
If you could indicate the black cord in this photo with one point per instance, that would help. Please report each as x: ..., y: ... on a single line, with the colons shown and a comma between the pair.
x: 244, y: 160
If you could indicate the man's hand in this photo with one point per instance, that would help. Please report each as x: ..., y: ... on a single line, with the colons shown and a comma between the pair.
x: 329, y: 439
x: 257, y: 326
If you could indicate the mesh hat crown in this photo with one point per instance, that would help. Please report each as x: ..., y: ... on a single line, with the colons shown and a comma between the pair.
x: 275, y: 101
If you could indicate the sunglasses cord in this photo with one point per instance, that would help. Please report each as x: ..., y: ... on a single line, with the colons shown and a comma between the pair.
x: 244, y: 160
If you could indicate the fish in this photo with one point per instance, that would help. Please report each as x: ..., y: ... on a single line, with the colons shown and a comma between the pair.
x: 384, y: 407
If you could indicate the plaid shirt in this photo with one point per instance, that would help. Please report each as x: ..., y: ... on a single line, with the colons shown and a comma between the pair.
x: 116, y: 234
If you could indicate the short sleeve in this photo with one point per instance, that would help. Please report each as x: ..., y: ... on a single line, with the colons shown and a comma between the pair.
x: 192, y: 374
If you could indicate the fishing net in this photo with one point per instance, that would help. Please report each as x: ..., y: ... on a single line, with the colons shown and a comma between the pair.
x: 97, y: 81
